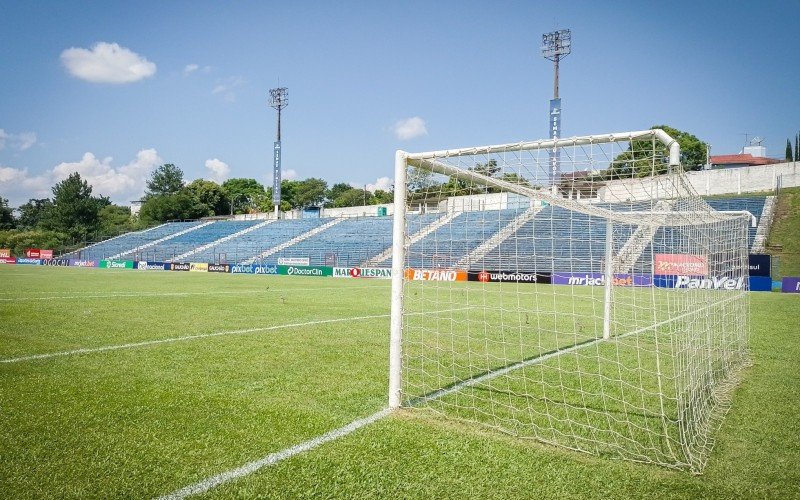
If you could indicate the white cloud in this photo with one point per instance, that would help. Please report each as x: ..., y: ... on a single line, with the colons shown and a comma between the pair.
x: 121, y: 184
x: 409, y: 128
x: 382, y: 183
x: 21, y: 141
x: 219, y: 170
x: 107, y: 63
x: 226, y: 88
x: 288, y: 174
x: 190, y: 68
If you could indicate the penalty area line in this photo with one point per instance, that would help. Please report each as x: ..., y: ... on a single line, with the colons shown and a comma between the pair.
x: 273, y: 458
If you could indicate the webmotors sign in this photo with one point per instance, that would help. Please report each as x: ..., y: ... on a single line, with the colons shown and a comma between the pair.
x: 681, y: 264
x: 362, y: 272
x: 435, y: 274
x: 305, y: 270
x: 599, y: 279
x: 508, y: 277
x: 701, y: 282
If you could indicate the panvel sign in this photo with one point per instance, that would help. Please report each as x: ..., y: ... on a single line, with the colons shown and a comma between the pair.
x: 362, y: 272
x: 435, y: 275
x: 681, y: 264
x: 701, y: 282
x: 599, y: 279
x: 508, y: 277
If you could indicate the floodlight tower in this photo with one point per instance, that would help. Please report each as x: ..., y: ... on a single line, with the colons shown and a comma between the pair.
x: 556, y: 45
x: 278, y: 99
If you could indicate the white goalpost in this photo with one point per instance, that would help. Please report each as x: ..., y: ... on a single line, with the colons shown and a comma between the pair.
x: 602, y: 308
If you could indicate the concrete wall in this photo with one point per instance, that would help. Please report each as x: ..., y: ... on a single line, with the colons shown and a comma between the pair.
x: 707, y: 182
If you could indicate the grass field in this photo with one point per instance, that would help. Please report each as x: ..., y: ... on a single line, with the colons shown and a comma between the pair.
x: 210, y: 372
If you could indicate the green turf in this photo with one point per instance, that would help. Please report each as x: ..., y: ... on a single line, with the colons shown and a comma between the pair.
x: 148, y: 420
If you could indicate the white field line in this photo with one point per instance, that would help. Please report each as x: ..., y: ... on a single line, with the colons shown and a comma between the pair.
x: 90, y: 350
x: 273, y: 458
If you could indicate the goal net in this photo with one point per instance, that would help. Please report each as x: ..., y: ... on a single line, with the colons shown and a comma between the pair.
x: 573, y: 291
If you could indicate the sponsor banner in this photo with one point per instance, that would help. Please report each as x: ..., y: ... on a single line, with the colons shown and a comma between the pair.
x: 116, y: 264
x: 179, y: 266
x: 83, y: 263
x: 760, y: 265
x: 789, y: 284
x: 701, y: 282
x: 8, y: 260
x: 28, y: 261
x: 508, y: 277
x: 599, y: 279
x: 760, y: 284
x: 33, y: 253
x: 219, y: 268
x: 362, y: 272
x: 305, y: 270
x: 5, y: 253
x: 198, y: 267
x: 153, y: 266
x: 681, y: 264
x: 55, y: 262
x: 294, y: 261
x: 253, y: 269
x: 435, y: 274
x: 45, y: 254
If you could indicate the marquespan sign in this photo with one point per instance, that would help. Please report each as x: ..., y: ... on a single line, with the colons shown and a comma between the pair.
x: 681, y: 264
x: 508, y: 277
x: 362, y: 272
x: 435, y: 274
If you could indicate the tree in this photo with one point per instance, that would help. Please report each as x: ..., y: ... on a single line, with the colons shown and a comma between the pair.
x: 335, y: 192
x: 789, y: 155
x: 74, y: 210
x: 488, y: 169
x: 308, y: 193
x: 245, y: 194
x: 178, y: 206
x: 166, y: 179
x: 638, y: 162
x: 115, y: 220
x: 31, y: 213
x: 353, y: 197
x: 382, y: 196
x: 209, y: 196
x: 6, y: 215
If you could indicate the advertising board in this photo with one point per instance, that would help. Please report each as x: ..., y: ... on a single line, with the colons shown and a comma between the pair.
x: 253, y: 269
x: 198, y: 267
x: 362, y: 272
x: 305, y: 270
x: 599, y: 279
x: 28, y: 261
x: 116, y: 264
x: 760, y: 265
x: 8, y: 260
x: 760, y: 284
x: 508, y: 277
x: 45, y: 254
x: 33, y: 253
x: 83, y: 263
x: 153, y: 266
x: 790, y: 284
x: 701, y: 282
x: 55, y: 262
x: 435, y: 274
x: 179, y: 266
x: 294, y: 261
x: 681, y: 264
x: 5, y: 252
x: 219, y: 268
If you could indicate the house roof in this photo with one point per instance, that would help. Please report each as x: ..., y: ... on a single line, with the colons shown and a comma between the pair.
x: 745, y: 158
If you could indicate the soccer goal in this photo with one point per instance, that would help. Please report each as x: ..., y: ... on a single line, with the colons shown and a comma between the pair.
x: 573, y: 291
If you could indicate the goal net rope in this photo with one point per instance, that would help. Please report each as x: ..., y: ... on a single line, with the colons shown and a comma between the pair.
x: 579, y: 293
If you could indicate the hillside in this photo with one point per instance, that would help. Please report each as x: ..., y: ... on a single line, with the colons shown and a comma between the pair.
x: 784, y: 237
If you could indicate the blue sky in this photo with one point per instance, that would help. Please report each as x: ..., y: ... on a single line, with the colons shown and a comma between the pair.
x: 113, y: 89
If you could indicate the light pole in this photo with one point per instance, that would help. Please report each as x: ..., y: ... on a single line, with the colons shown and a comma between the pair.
x: 278, y: 99
x: 556, y: 45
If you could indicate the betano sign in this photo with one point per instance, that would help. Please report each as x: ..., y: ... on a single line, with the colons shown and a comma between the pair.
x: 435, y: 274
